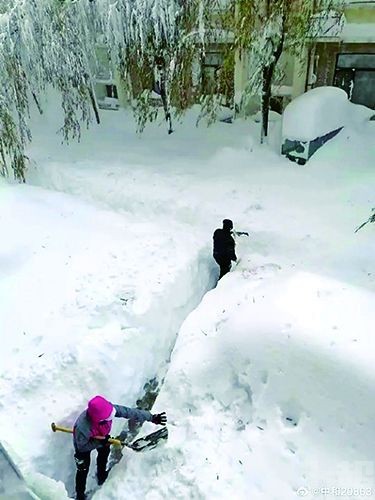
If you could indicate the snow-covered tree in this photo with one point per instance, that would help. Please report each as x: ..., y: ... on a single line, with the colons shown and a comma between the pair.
x: 265, y: 28
x: 151, y: 43
x: 52, y: 43
x: 42, y: 43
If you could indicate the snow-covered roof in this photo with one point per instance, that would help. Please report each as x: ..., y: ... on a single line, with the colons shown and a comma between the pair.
x: 331, y: 27
x: 348, y: 32
x: 220, y: 36
x: 282, y: 90
x: 360, y: 3
x: 358, y: 32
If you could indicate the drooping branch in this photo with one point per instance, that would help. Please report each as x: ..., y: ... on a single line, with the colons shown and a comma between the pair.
x: 264, y: 29
x: 37, y: 104
x: 94, y: 104
x: 53, y: 43
x: 268, y: 72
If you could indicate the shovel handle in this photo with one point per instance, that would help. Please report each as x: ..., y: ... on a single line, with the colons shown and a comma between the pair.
x: 55, y: 428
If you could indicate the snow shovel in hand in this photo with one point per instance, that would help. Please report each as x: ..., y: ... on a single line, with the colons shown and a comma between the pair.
x: 150, y: 441
x: 144, y: 443
x: 55, y: 428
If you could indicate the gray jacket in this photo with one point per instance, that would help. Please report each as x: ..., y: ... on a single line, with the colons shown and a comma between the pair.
x: 82, y: 428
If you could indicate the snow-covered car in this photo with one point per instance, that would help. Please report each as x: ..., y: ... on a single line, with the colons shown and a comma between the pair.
x: 311, y: 120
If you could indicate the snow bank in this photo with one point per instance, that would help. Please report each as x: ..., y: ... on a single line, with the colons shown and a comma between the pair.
x: 273, y: 116
x: 25, y: 484
x: 46, y: 488
x: 102, y: 298
x: 358, y: 114
x: 271, y: 394
x: 320, y: 111
x: 12, y: 484
x: 92, y: 299
x: 315, y: 113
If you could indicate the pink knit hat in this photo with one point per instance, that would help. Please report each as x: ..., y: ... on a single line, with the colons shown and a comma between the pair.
x: 99, y: 409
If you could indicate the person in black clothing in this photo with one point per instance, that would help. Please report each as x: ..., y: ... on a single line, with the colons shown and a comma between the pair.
x: 224, y: 247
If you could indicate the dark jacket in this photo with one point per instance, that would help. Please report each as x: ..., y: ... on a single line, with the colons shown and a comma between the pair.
x: 82, y: 428
x: 224, y: 245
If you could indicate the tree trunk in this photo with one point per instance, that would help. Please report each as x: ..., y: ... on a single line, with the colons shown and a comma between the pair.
x: 266, y: 87
x: 164, y: 98
x: 94, y: 104
x: 37, y: 103
x: 267, y: 78
x: 266, y: 99
x: 162, y: 81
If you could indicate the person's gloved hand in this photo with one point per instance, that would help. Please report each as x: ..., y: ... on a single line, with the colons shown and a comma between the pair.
x: 159, y: 418
x: 123, y: 436
x: 106, y: 439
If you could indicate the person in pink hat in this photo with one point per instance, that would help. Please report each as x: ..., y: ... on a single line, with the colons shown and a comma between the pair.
x: 96, y: 422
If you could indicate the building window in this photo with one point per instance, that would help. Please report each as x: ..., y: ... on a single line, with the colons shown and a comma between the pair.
x: 355, y: 73
x: 111, y: 91
x: 210, y: 69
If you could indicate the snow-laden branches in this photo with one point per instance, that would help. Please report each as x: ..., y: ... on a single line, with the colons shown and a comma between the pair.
x: 151, y: 43
x: 53, y: 43
x: 42, y: 42
x: 263, y: 29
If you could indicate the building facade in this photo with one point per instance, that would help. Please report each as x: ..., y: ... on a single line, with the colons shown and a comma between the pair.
x: 342, y: 57
x: 346, y: 60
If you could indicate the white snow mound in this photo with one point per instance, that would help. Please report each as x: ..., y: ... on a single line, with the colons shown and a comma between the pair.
x: 315, y: 113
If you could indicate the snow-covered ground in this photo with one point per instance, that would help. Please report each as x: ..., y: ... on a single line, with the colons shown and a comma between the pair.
x: 107, y: 249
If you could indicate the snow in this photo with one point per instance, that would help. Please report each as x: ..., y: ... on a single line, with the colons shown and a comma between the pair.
x: 105, y: 259
x: 282, y: 90
x: 273, y: 116
x: 358, y: 32
x: 315, y: 113
x: 329, y: 28
x: 320, y: 111
x: 97, y: 314
x: 256, y: 406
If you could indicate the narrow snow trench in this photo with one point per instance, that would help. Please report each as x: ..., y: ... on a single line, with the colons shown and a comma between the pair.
x: 129, y: 361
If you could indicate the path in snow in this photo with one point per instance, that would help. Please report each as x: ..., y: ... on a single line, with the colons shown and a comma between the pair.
x: 298, y: 223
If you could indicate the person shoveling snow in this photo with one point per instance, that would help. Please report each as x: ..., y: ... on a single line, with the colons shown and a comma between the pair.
x: 224, y: 246
x: 92, y: 432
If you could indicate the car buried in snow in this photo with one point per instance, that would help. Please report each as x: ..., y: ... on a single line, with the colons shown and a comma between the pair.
x: 312, y: 119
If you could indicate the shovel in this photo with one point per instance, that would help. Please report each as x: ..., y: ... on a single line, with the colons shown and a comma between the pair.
x: 148, y: 442
x: 55, y: 428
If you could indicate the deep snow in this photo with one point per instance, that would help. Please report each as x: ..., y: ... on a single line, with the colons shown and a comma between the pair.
x: 270, y: 385
x: 327, y: 108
